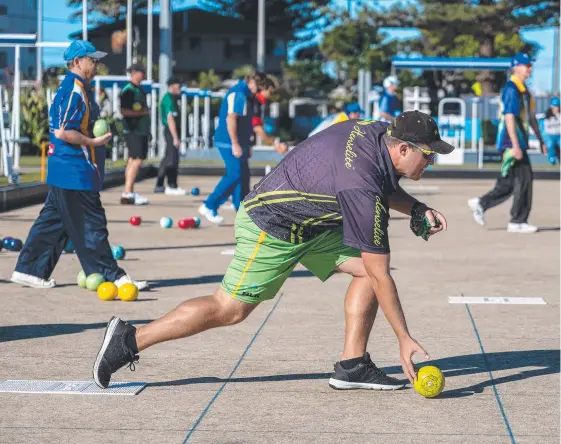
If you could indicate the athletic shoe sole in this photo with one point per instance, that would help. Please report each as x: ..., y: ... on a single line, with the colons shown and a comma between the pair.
x: 344, y: 385
x: 106, y: 339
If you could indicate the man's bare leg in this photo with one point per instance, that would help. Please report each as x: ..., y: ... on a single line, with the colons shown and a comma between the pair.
x: 192, y: 317
x: 361, y: 307
x: 356, y: 370
x: 122, y: 341
x: 131, y: 171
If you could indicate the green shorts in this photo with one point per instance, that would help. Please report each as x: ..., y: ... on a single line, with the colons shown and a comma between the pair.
x: 262, y: 263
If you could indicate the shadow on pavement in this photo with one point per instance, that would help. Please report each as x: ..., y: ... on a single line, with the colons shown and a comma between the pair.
x: 20, y: 332
x: 547, y: 362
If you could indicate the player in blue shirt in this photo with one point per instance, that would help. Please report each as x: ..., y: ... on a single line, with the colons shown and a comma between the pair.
x: 517, y: 115
x: 232, y: 138
x: 73, y: 209
x: 389, y: 105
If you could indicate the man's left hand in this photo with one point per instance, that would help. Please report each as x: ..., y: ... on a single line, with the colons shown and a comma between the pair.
x: 544, y: 148
x: 433, y: 216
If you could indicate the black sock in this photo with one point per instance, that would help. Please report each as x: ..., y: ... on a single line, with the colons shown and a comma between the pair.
x: 348, y: 364
x: 130, y: 340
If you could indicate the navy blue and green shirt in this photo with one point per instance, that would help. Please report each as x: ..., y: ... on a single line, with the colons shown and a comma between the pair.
x: 341, y: 177
x: 516, y: 100
x: 72, y: 167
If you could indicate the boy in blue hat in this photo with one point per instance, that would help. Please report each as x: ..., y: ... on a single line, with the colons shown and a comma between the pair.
x: 552, y: 124
x: 73, y: 209
x: 518, y: 114
x: 389, y: 105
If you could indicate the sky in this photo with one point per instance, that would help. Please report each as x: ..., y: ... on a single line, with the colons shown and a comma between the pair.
x: 57, y: 27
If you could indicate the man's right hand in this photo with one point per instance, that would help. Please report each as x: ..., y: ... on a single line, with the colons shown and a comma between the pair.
x: 408, y: 347
x: 176, y: 142
x: 517, y: 153
x: 237, y: 150
x: 101, y: 140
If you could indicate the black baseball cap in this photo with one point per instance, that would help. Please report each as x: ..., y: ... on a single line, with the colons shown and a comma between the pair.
x: 139, y: 67
x: 174, y: 80
x: 418, y: 127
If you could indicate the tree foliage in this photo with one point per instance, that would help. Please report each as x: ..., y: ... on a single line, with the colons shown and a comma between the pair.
x: 307, y: 78
x: 484, y: 28
x: 357, y: 43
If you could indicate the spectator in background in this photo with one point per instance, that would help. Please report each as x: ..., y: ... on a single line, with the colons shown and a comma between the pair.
x: 552, y: 125
x: 352, y: 111
x: 136, y: 123
x: 516, y: 177
x: 389, y: 105
x: 169, y: 165
x: 261, y: 98
x: 232, y: 138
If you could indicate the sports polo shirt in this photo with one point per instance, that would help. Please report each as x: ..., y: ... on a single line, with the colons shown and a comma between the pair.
x: 389, y: 103
x: 71, y: 167
x: 516, y: 100
x: 341, y: 177
x: 168, y: 106
x: 238, y: 100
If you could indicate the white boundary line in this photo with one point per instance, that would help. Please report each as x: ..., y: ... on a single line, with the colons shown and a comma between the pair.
x: 496, y: 300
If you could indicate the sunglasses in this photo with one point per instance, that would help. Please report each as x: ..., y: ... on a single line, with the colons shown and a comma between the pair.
x: 94, y: 61
x: 427, y: 154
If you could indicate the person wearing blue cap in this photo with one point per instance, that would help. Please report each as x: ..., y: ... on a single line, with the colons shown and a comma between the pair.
x: 552, y: 124
x: 73, y: 209
x: 352, y: 111
x: 517, y: 115
x: 389, y: 105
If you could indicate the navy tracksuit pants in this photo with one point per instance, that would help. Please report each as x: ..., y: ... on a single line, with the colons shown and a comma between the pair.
x: 75, y: 215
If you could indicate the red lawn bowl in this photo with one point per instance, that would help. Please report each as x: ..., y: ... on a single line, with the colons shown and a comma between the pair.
x: 135, y: 220
x: 182, y: 223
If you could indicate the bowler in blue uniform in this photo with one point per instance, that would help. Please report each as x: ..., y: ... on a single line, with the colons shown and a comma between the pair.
x: 73, y: 209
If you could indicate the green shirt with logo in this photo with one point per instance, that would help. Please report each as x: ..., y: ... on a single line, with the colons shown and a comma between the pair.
x: 133, y: 98
x: 168, y: 106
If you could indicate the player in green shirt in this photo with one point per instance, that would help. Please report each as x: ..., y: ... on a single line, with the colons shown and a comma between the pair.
x: 136, y: 123
x: 170, y: 163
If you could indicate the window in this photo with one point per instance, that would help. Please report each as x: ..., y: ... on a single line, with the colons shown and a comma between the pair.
x: 3, y: 10
x: 194, y: 43
x: 3, y: 60
x: 237, y: 49
x: 178, y: 43
x: 269, y: 46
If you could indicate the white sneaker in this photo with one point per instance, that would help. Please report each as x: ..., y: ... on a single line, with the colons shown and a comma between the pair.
x: 175, y: 191
x: 140, y: 200
x: 521, y: 228
x: 211, y: 215
x: 478, y: 213
x: 229, y: 206
x: 126, y: 279
x: 31, y: 281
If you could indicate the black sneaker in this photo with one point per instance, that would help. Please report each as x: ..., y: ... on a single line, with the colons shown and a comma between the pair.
x: 158, y: 189
x: 364, y: 376
x: 114, y: 352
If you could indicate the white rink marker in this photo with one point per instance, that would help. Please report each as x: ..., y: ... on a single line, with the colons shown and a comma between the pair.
x: 417, y: 188
x: 70, y: 387
x: 495, y: 300
x: 228, y: 252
